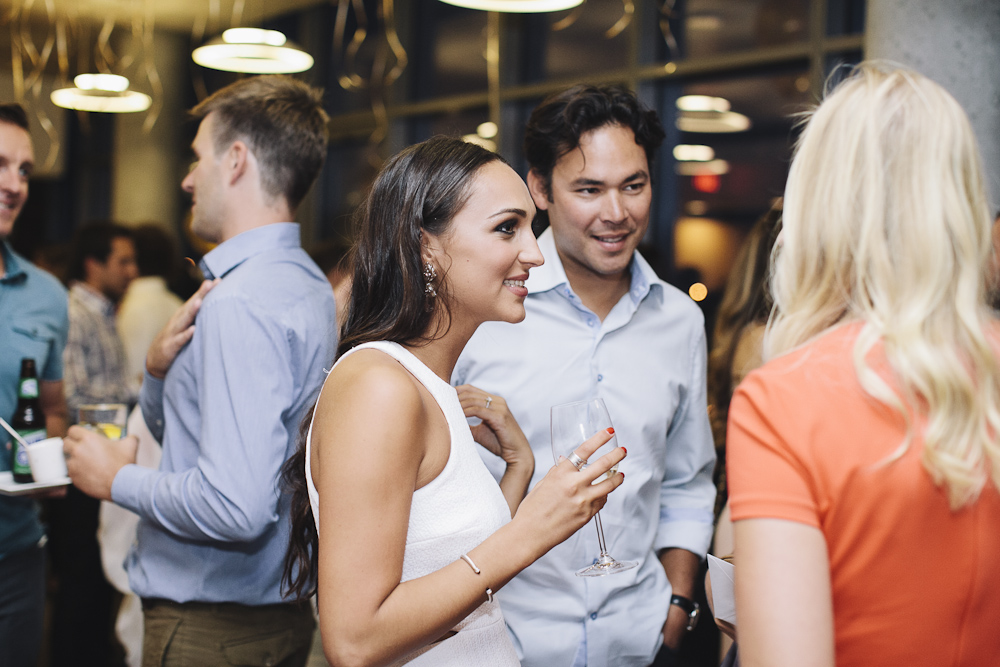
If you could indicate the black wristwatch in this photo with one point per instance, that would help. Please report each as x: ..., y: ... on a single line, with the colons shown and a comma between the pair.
x: 690, y: 607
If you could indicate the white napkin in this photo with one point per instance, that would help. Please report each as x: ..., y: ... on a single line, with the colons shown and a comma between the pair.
x: 723, y: 597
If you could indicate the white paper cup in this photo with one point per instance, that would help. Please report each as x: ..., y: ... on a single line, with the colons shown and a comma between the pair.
x: 48, y: 464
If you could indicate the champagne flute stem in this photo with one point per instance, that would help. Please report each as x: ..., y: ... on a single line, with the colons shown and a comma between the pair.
x: 600, y: 535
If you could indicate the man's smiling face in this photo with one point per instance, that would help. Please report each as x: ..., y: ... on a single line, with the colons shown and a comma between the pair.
x: 598, y: 202
x: 17, y: 159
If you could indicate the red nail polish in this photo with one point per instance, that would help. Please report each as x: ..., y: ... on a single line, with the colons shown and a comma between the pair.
x: 625, y: 450
x: 623, y: 477
x: 611, y: 430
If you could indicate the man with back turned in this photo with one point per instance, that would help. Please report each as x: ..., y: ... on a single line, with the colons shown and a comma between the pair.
x: 601, y: 324
x: 213, y: 524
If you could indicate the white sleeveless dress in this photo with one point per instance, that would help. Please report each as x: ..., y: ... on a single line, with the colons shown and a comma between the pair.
x: 451, y: 515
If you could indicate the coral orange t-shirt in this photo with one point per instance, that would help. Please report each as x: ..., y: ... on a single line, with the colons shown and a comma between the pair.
x: 913, y: 583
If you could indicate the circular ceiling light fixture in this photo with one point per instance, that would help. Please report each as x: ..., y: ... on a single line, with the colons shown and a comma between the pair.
x: 252, y: 51
x: 693, y: 153
x: 480, y: 140
x: 702, y: 103
x: 710, y: 168
x: 712, y: 122
x: 104, y: 93
x: 516, y: 6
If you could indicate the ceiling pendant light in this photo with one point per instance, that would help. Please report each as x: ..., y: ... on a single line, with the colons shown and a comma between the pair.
x: 253, y: 51
x: 106, y: 93
x: 516, y: 6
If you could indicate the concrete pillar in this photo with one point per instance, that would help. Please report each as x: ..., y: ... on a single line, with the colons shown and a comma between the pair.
x: 955, y: 43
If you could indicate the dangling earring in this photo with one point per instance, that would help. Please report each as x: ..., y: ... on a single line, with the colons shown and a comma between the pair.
x: 430, y: 275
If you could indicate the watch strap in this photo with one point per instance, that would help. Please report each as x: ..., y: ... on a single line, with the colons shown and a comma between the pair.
x: 690, y: 607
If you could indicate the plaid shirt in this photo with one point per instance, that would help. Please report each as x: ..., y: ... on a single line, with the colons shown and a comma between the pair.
x: 94, y: 360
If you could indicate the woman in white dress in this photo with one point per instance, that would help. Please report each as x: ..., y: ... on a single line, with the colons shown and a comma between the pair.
x: 415, y: 535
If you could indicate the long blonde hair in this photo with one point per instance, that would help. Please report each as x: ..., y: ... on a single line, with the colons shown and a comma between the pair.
x: 886, y: 223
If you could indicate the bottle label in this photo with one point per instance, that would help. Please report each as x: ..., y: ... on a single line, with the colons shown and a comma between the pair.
x: 29, y: 388
x: 20, y: 464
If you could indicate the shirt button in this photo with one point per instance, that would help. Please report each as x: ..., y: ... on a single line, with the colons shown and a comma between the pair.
x: 591, y: 321
x: 600, y: 378
x: 593, y: 616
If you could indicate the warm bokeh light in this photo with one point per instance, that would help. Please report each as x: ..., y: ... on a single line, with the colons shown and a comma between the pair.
x: 487, y: 130
x: 702, y: 103
x: 693, y: 153
x: 698, y: 292
x: 707, y: 183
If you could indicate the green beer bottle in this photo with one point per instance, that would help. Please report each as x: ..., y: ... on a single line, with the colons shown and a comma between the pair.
x: 28, y: 421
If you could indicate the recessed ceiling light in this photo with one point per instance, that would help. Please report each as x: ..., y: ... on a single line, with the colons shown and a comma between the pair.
x: 487, y: 130
x: 703, y: 22
x: 693, y: 153
x: 713, y: 122
x: 488, y: 144
x: 714, y: 168
x: 702, y: 103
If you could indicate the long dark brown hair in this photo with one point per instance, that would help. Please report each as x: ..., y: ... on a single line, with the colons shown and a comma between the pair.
x: 746, y: 302
x: 419, y: 190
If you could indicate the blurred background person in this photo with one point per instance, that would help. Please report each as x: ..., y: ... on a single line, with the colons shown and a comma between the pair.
x: 738, y: 341
x: 333, y: 258
x: 737, y: 349
x: 863, y: 457
x: 145, y: 310
x: 103, y: 265
x: 148, y: 302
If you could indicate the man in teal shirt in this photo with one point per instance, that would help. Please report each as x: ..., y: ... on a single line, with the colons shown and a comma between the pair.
x: 33, y: 324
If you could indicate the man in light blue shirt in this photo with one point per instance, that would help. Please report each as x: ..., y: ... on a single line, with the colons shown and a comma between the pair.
x: 214, y: 524
x: 601, y: 324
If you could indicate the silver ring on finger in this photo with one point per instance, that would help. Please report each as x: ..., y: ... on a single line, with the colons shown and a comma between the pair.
x: 489, y: 399
x: 577, y: 461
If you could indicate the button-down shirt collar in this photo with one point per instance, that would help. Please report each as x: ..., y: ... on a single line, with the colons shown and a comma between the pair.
x: 552, y: 275
x: 93, y: 300
x: 227, y: 256
x: 13, y: 271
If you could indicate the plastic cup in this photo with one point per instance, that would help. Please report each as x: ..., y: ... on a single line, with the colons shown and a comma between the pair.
x: 47, y: 461
x: 105, y: 418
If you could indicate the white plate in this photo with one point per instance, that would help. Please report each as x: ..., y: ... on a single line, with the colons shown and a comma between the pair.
x: 8, y: 487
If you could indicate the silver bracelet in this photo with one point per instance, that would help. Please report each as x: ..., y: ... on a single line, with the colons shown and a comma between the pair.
x: 489, y: 592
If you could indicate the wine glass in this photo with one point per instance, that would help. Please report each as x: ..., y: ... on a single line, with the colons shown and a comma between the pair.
x: 572, y: 423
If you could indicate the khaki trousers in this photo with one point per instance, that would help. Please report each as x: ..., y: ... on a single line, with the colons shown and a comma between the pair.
x: 196, y: 634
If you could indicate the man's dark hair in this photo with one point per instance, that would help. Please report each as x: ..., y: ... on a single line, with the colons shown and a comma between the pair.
x: 14, y: 114
x: 556, y: 125
x: 282, y: 122
x: 93, y: 241
x: 155, y: 251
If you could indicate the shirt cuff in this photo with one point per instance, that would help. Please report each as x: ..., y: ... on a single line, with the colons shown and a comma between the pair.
x: 127, y: 486
x: 693, y: 531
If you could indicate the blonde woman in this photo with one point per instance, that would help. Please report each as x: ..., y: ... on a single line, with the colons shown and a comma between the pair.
x: 863, y: 458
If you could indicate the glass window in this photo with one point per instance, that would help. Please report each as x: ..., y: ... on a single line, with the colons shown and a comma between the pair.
x: 712, y: 27
x: 589, y: 39
x: 449, y: 55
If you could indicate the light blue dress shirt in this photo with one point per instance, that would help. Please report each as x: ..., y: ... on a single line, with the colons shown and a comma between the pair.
x: 647, y: 360
x: 213, y: 523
